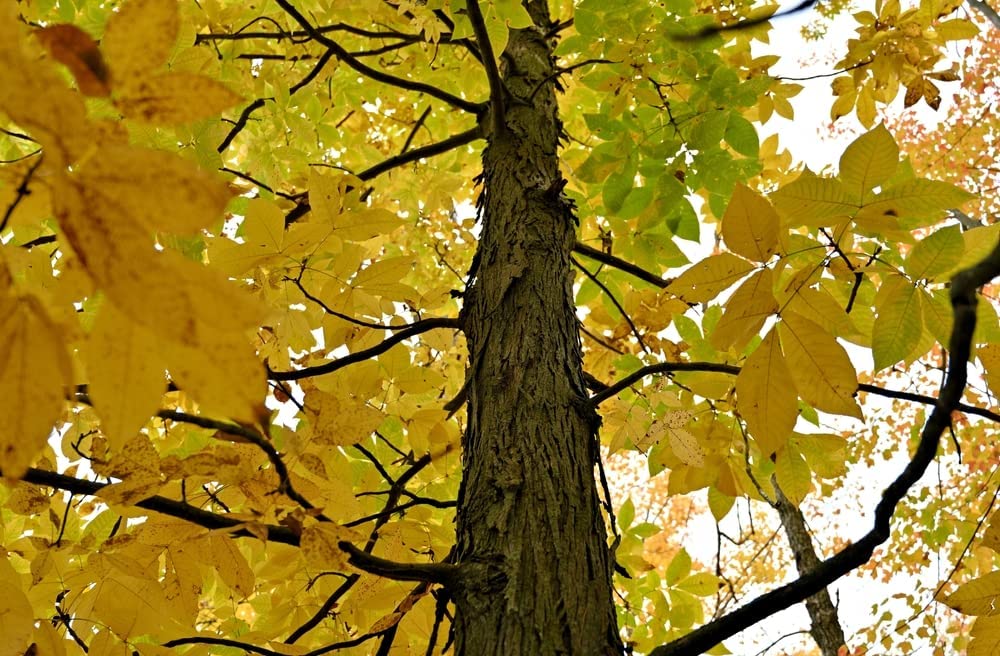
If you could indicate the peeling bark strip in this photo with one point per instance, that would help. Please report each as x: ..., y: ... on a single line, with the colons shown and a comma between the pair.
x: 536, y: 572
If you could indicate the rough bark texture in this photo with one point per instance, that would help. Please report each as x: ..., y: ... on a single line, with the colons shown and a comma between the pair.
x: 826, y: 629
x: 531, y: 539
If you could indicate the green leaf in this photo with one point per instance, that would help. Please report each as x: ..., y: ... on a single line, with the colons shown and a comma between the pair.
x: 935, y: 254
x: 679, y: 567
x: 741, y: 135
x: 812, y: 201
x: 921, y: 201
x: 897, y: 328
x: 869, y: 161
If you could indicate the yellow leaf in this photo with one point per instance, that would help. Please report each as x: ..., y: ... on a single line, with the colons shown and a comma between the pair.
x: 985, y: 637
x: 793, y: 474
x: 956, y: 29
x: 977, y: 597
x: 343, y: 421
x: 920, y: 198
x: 231, y: 565
x: 823, y: 374
x: 765, y: 396
x: 936, y: 253
x: 869, y: 161
x: 668, y: 420
x: 139, y: 37
x: 866, y: 106
x: 163, y: 191
x: 177, y: 299
x: 125, y: 375
x: 750, y: 225
x: 138, y: 465
x: 746, y: 311
x: 16, y: 619
x: 706, y: 279
x: 222, y: 373
x: 320, y: 545
x: 899, y: 324
x: 811, y: 200
x: 991, y: 537
x: 47, y: 641
x: 35, y: 373
x: 989, y: 355
x: 34, y: 96
x: 175, y: 98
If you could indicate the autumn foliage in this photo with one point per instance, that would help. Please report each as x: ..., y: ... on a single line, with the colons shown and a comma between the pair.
x: 241, y: 241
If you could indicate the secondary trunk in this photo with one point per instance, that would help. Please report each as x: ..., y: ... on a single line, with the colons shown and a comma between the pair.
x: 529, y: 519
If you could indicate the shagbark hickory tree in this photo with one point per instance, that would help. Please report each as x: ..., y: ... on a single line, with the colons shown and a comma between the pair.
x: 266, y: 388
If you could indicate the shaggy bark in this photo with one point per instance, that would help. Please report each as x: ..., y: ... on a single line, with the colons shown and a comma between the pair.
x: 532, y: 543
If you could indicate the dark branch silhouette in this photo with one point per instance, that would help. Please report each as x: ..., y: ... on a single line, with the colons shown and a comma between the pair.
x: 419, y: 327
x: 963, y: 300
x: 375, y: 74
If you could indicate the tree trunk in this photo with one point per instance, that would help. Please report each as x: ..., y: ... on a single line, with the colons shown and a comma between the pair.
x: 531, y: 537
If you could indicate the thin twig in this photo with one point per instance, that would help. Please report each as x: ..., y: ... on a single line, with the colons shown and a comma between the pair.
x: 375, y: 74
x: 614, y: 301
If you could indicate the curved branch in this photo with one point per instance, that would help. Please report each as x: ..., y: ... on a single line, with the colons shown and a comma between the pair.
x: 618, y: 263
x: 443, y: 573
x: 733, y: 370
x: 963, y: 301
x: 419, y: 327
x: 375, y: 74
x: 430, y: 150
x: 241, y: 122
x: 986, y: 10
x: 162, y: 505
x: 250, y: 435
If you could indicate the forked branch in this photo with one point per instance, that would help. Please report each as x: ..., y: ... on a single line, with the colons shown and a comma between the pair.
x: 963, y: 300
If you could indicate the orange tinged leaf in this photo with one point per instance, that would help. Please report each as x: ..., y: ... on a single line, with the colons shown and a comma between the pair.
x: 766, y: 397
x: 77, y: 50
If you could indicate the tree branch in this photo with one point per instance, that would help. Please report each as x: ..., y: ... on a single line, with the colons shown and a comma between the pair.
x: 618, y: 263
x: 497, y: 89
x: 375, y: 74
x: 733, y: 370
x: 254, y: 437
x: 826, y: 629
x: 419, y: 327
x: 963, y: 300
x: 162, y: 505
x: 614, y: 301
x: 396, y: 161
x: 986, y: 10
x: 241, y: 122
x: 445, y: 574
